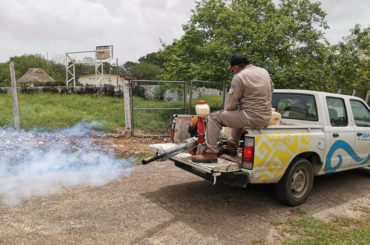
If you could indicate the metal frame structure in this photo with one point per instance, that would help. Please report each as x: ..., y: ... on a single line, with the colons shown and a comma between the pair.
x: 98, y: 63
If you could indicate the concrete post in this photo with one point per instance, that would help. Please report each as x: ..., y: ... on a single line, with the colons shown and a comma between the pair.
x: 127, y: 94
x: 14, y: 96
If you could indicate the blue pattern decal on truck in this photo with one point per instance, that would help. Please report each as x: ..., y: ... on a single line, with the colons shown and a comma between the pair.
x: 340, y: 144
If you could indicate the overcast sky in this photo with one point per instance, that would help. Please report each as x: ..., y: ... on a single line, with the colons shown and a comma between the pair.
x: 134, y: 27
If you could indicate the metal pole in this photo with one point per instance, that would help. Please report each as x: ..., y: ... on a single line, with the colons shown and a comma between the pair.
x: 66, y: 69
x: 190, y: 96
x: 74, y: 76
x: 117, y: 70
x: 354, y: 92
x: 132, y: 110
x: 184, y: 96
x: 14, y: 96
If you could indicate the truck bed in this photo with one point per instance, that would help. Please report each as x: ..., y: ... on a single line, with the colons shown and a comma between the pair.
x: 225, y: 163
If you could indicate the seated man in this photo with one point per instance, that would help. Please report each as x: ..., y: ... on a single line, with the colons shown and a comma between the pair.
x: 248, y: 105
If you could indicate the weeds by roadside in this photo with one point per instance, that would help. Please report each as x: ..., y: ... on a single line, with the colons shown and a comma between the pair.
x: 337, y: 230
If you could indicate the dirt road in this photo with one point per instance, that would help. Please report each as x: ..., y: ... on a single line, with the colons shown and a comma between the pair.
x: 161, y: 204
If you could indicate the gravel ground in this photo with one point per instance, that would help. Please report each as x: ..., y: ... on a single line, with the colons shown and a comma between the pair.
x: 162, y: 204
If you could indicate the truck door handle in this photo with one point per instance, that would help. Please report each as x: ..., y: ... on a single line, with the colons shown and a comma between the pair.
x: 359, y: 134
x: 335, y: 135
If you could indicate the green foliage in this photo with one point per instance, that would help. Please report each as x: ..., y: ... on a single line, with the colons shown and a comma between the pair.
x: 23, y: 63
x: 4, y: 75
x: 127, y: 67
x: 285, y: 39
x: 149, y: 67
x: 146, y: 71
x: 155, y: 58
x: 348, y: 64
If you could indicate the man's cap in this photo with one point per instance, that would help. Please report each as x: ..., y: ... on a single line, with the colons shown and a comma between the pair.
x: 238, y: 59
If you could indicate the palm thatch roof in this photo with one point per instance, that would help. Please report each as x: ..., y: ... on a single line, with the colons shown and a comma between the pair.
x: 35, y: 75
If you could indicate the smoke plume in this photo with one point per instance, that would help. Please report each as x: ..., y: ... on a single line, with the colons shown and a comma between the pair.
x: 40, y: 163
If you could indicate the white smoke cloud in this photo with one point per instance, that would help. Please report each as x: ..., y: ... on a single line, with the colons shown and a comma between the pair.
x: 39, y: 163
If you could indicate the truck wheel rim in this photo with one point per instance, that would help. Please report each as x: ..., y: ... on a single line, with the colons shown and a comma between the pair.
x: 299, y: 183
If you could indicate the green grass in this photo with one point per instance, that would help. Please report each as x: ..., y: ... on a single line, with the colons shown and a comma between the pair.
x: 45, y: 110
x: 51, y: 111
x: 339, y: 230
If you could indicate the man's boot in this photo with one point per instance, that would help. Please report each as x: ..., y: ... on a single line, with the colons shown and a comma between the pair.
x: 205, y: 157
x: 230, y: 149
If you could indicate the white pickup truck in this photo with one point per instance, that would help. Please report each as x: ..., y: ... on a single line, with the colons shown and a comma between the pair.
x: 320, y: 133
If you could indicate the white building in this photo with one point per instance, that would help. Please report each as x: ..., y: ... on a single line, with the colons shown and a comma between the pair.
x: 107, y: 79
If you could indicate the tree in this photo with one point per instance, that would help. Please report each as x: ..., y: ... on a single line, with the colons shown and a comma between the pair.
x: 127, y: 67
x: 349, y: 63
x: 287, y: 39
x: 146, y: 71
x: 155, y: 58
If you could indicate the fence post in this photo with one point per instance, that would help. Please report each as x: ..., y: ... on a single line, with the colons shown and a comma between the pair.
x: 184, y: 97
x: 367, y: 96
x: 190, y: 96
x: 354, y: 92
x: 14, y: 96
x: 339, y: 91
x: 127, y: 94
x: 117, y: 71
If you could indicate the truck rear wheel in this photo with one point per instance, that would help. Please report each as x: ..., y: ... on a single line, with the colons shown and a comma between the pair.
x: 295, y: 186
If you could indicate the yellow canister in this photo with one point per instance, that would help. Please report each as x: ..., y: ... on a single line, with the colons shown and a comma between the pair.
x: 275, y: 117
x: 202, y: 109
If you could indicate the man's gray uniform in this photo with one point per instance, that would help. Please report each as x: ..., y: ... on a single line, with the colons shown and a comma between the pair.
x: 248, y: 105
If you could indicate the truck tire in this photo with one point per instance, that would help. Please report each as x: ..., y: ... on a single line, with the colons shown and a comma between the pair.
x: 295, y: 186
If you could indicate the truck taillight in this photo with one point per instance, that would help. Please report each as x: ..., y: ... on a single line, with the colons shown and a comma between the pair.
x: 248, y: 153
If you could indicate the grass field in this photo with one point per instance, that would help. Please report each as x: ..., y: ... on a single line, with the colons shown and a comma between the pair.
x: 339, y: 230
x: 44, y: 110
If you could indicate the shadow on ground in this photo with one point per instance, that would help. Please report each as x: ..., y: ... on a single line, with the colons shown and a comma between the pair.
x: 243, y: 215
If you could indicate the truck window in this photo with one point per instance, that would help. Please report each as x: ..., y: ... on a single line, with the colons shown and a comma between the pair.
x: 295, y: 106
x: 337, y: 112
x: 361, y: 113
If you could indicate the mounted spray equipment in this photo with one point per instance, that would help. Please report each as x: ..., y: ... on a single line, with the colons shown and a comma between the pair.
x: 197, y: 133
x: 187, y: 145
x: 198, y: 128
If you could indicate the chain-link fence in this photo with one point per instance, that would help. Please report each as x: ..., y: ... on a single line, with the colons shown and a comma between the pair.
x: 213, y: 92
x: 154, y: 102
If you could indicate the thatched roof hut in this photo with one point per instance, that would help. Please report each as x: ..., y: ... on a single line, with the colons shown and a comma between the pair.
x: 35, y: 75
